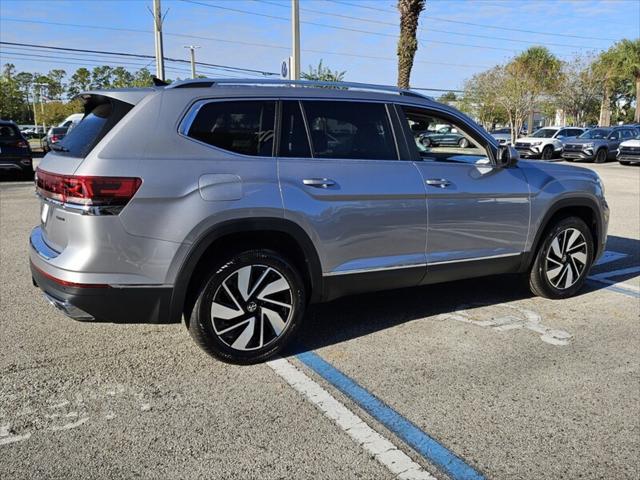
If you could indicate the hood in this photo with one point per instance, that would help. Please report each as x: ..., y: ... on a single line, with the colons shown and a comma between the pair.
x: 558, y: 171
x: 529, y: 140
x: 631, y: 143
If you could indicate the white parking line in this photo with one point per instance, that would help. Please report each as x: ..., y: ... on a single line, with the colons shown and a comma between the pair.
x: 382, y: 449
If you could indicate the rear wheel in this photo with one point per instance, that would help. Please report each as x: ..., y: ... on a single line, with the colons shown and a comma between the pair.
x: 249, y: 308
x: 547, y: 152
x: 563, y: 259
x: 601, y: 155
x: 463, y: 143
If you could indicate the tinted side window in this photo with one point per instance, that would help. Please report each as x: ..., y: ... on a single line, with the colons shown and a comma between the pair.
x: 351, y: 130
x: 243, y: 127
x: 293, y: 135
x: 8, y: 132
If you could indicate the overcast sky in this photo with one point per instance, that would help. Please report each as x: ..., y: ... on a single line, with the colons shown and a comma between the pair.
x: 244, y: 33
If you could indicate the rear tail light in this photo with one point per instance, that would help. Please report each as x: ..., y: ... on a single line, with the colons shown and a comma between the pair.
x: 54, y: 138
x: 21, y: 144
x: 88, y: 191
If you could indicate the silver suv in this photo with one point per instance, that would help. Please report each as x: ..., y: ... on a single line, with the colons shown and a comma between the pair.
x: 235, y: 204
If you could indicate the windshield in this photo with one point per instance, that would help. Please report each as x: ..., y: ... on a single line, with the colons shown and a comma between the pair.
x: 545, y: 133
x: 502, y: 130
x: 596, y: 133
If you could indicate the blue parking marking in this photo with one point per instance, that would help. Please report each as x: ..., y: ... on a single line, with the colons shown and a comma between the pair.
x: 407, y: 431
x: 615, y: 288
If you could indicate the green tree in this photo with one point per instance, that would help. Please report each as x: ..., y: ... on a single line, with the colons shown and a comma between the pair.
x: 122, y: 78
x: 407, y: 42
x: 101, y: 77
x: 142, y: 78
x: 79, y: 82
x: 11, y: 99
x: 54, y: 80
x: 448, y: 98
x: 579, y: 90
x: 480, y: 98
x: 322, y: 73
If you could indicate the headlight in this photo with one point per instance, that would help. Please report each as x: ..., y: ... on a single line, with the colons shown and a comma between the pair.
x: 588, y: 145
x: 534, y: 144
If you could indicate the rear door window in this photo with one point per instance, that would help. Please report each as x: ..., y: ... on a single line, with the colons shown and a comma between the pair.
x: 245, y: 127
x: 99, y: 120
x: 351, y: 130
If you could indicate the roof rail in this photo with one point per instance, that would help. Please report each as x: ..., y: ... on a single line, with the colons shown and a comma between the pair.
x: 211, y: 82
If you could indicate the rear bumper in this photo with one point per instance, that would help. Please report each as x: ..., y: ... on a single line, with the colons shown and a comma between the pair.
x: 105, y: 303
x: 91, y: 301
x: 16, y: 164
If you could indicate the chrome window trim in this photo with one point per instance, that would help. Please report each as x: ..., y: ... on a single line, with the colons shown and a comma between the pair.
x: 414, y: 265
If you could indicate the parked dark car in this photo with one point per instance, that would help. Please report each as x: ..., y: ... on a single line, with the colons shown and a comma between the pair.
x: 54, y: 135
x: 598, y: 144
x: 15, y: 153
x: 444, y: 136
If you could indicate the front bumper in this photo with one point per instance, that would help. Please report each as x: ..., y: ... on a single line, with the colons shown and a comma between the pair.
x: 578, y: 155
x: 629, y: 158
x: 101, y: 302
x: 528, y: 152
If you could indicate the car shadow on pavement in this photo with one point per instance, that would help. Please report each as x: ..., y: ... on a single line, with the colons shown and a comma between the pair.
x: 360, y: 315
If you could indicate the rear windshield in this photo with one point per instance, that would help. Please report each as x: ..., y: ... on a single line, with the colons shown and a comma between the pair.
x: 58, y: 130
x: 8, y: 132
x: 99, y: 120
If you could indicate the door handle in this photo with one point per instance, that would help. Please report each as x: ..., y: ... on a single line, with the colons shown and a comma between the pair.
x: 438, y: 182
x: 319, y: 182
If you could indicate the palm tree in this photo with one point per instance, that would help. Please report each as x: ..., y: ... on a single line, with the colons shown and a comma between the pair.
x: 407, y: 43
x: 628, y: 63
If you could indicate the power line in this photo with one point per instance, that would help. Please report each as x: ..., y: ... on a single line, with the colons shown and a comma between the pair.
x: 430, y: 29
x: 223, y: 67
x: 367, y: 7
x: 355, y: 30
x: 22, y: 52
x: 240, y: 42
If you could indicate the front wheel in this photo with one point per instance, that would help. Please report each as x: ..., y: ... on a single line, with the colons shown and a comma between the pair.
x: 601, y: 156
x: 249, y: 308
x: 463, y: 143
x: 563, y: 259
x: 547, y: 152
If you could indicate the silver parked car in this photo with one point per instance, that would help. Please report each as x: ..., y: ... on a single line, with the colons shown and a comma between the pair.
x: 235, y: 204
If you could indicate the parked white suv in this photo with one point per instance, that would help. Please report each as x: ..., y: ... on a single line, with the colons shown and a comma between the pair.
x: 546, y: 142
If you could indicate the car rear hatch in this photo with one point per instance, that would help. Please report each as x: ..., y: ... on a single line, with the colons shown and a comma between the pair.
x: 62, y: 191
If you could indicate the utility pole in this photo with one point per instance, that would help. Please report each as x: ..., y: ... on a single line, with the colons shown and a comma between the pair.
x: 192, y: 48
x: 157, y: 27
x: 41, y: 98
x: 295, y: 34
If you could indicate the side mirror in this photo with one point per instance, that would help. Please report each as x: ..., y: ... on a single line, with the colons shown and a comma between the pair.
x: 507, y: 156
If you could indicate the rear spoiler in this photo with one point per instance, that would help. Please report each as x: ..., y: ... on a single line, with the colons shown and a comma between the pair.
x: 132, y: 96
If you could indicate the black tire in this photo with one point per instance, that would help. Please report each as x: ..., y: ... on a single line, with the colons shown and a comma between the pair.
x: 542, y: 276
x: 547, y: 153
x: 601, y: 156
x: 259, y: 336
x: 463, y: 143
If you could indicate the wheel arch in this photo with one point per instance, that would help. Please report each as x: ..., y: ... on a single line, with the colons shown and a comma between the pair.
x: 582, y: 207
x: 278, y: 234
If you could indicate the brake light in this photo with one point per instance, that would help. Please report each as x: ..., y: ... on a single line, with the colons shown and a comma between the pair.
x: 21, y: 144
x: 54, y: 138
x: 89, y: 191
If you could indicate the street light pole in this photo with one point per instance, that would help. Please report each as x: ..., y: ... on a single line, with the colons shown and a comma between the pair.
x: 295, y: 34
x: 192, y: 48
x: 157, y: 27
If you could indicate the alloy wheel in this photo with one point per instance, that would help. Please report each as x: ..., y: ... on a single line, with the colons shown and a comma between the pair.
x: 566, y: 258
x: 252, y: 307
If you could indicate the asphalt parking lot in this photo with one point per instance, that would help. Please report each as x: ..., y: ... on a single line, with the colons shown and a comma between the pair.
x: 469, y: 379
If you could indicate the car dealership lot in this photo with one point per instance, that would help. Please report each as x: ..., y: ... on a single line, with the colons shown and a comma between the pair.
x: 514, y: 386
